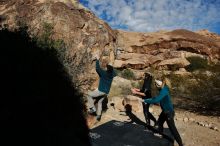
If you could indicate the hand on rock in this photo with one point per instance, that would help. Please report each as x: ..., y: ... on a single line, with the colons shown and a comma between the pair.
x: 96, y: 56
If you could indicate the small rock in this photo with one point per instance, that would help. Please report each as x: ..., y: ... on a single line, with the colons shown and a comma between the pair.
x: 201, y: 124
x: 207, y: 125
x: 191, y: 119
x: 179, y: 119
x: 182, y: 69
x: 185, y: 119
x: 151, y: 110
x: 214, y: 128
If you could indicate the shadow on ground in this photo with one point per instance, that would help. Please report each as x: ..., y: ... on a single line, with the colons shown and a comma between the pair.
x: 116, y: 133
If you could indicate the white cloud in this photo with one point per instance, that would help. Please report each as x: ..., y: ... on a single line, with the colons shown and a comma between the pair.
x: 154, y: 15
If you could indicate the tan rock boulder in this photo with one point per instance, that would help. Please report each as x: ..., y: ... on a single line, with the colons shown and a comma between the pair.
x: 135, y: 63
x: 82, y: 32
x: 135, y: 103
x: 166, y: 45
x: 209, y: 34
x: 120, y: 86
x: 117, y: 102
x: 119, y: 63
x: 182, y: 73
x: 182, y: 69
x: 178, y: 62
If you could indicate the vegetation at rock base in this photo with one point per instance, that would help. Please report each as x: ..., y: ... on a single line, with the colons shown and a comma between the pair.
x: 45, y: 39
x: 203, y: 87
x: 197, y: 63
x: 137, y: 84
x: 127, y: 74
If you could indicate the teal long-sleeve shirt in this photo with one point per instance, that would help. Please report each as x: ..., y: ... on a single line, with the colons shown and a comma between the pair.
x: 106, y: 78
x: 164, y: 99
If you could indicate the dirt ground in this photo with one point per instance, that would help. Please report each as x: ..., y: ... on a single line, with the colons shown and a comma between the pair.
x: 195, y: 130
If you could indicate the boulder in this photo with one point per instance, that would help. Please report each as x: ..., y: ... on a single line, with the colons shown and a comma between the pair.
x: 178, y: 62
x: 120, y: 86
x: 119, y: 64
x: 135, y: 103
x: 82, y: 32
x: 117, y: 103
x: 167, y: 45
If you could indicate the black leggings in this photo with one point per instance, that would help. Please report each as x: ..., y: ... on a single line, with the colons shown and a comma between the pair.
x: 148, y: 116
x: 169, y: 118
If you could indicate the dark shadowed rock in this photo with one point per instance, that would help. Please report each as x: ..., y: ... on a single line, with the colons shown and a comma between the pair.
x: 39, y: 104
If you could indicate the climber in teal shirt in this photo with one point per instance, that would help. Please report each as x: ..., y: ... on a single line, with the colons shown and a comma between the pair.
x: 167, y: 113
x: 105, y: 81
x: 106, y: 77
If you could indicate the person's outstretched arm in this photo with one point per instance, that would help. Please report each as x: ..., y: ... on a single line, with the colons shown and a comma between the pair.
x: 99, y: 69
x: 158, y: 98
x: 136, y: 92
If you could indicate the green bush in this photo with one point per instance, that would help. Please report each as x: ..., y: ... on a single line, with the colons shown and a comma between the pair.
x: 214, y: 67
x: 200, y: 88
x: 207, y: 90
x: 45, y: 38
x: 127, y: 74
x: 137, y: 84
x: 118, y: 72
x: 197, y: 63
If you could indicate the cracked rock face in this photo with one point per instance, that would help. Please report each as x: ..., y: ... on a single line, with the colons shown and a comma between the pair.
x: 162, y: 49
x: 82, y: 32
x: 85, y: 35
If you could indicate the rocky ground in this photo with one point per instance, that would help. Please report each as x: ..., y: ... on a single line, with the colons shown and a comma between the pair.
x: 195, y: 130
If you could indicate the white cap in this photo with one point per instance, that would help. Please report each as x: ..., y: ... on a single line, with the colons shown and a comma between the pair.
x: 110, y: 63
x: 158, y: 83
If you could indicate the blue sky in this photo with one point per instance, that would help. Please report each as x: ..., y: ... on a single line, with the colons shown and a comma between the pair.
x: 154, y: 15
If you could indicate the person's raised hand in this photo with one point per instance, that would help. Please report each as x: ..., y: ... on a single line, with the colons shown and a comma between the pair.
x: 133, y: 91
x: 95, y: 56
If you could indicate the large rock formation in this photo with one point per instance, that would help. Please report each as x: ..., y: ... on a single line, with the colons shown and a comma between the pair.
x: 84, y: 34
x: 141, y: 50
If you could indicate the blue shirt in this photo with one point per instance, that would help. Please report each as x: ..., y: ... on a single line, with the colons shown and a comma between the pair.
x: 106, y: 78
x: 164, y: 99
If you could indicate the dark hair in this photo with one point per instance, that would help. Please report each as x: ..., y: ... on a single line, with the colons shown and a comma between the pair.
x: 147, y: 74
x: 109, y: 68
